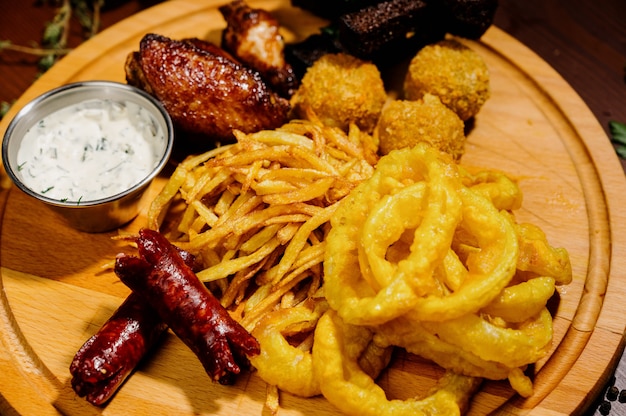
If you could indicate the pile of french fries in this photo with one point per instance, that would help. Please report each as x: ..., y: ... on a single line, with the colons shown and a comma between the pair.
x: 255, y: 213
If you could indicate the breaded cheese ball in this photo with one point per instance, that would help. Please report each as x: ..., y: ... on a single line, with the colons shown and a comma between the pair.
x: 406, y: 123
x: 341, y: 89
x: 452, y: 71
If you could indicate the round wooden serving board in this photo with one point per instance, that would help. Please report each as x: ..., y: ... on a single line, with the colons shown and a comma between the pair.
x: 55, y: 292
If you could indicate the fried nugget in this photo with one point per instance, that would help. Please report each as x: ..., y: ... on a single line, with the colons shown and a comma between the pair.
x: 406, y: 123
x: 341, y: 89
x: 452, y: 71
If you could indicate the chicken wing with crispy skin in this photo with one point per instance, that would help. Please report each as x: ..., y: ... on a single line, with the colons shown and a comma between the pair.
x: 252, y: 36
x: 205, y: 91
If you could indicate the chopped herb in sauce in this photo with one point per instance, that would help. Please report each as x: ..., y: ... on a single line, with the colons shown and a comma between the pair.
x: 95, y: 149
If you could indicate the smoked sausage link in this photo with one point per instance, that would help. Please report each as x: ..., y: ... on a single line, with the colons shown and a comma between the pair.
x: 160, y: 276
x: 107, y: 358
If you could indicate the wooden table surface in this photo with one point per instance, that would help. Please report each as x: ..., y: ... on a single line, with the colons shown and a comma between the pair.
x: 584, y: 40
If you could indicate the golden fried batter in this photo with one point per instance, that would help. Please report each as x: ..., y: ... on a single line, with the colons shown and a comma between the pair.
x: 342, y: 89
x: 406, y: 123
x: 453, y: 72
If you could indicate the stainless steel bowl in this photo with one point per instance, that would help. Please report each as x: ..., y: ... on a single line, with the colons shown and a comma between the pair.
x: 98, y: 214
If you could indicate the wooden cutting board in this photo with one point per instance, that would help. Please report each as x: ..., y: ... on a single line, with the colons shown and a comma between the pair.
x: 56, y: 293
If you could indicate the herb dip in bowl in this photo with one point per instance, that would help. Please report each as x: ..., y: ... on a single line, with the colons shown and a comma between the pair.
x: 89, y: 150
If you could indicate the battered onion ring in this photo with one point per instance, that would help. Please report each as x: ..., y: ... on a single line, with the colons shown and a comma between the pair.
x: 537, y: 256
x: 497, y: 187
x: 279, y: 363
x: 336, y: 349
x: 373, y: 290
x: 522, y: 301
x: 490, y: 267
x: 474, y: 348
x: 513, y: 347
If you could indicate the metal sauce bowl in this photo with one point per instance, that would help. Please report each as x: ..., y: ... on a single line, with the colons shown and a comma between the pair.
x: 96, y: 215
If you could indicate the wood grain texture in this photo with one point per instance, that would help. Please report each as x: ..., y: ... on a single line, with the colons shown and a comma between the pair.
x: 55, y: 293
x: 583, y: 40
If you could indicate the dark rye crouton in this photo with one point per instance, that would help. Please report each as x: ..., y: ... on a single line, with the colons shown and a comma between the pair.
x: 469, y: 18
x: 387, y: 32
x: 303, y: 54
x: 393, y: 27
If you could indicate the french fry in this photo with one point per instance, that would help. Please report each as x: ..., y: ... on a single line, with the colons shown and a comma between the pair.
x: 255, y: 213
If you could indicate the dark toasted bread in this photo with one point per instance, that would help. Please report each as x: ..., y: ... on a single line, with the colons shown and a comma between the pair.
x: 302, y: 55
x: 469, y: 18
x: 388, y: 31
x: 392, y: 27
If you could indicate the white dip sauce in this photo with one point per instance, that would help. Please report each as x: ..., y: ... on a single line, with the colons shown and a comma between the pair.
x: 91, y: 150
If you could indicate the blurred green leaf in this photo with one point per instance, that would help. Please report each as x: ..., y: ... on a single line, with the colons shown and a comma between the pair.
x: 46, y: 62
x: 51, y: 34
x: 4, y: 108
x: 618, y: 137
x: 618, y: 132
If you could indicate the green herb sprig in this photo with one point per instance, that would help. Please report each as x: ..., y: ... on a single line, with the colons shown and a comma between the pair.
x: 54, y: 39
x: 618, y: 137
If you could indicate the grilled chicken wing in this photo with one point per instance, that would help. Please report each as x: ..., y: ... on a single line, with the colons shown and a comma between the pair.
x: 205, y: 91
x: 252, y: 36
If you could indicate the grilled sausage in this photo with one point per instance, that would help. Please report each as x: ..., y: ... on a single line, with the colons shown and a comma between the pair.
x: 161, y: 277
x: 107, y: 358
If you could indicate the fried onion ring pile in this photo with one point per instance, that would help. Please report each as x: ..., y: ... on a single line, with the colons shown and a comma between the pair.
x: 429, y: 258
